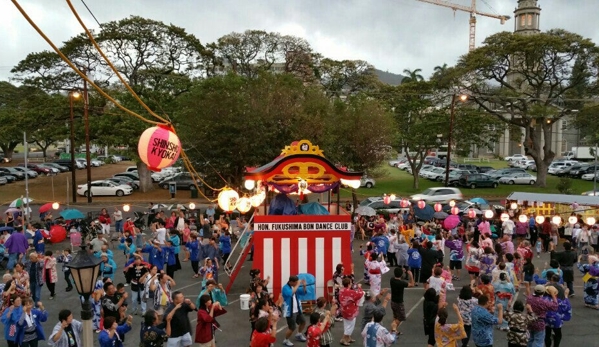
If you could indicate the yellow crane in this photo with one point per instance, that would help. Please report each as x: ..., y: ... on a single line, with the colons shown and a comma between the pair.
x: 473, y: 12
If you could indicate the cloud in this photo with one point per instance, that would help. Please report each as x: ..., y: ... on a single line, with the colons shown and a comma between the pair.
x: 393, y: 35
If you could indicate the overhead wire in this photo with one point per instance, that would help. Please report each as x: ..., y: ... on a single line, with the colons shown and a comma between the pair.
x: 90, y: 12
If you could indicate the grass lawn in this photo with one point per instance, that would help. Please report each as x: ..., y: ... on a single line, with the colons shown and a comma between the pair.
x: 399, y: 182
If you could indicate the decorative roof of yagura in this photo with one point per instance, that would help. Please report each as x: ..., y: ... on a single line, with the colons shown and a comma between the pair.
x: 300, y: 161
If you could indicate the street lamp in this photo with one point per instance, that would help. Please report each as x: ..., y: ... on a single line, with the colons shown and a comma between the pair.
x: 85, y: 270
x: 454, y: 98
x: 87, y: 153
x: 73, y: 95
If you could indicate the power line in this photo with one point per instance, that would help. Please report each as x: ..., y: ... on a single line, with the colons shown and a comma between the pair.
x: 90, y: 12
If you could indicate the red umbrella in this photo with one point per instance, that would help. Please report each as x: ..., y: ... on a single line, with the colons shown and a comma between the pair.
x: 45, y: 207
x: 57, y: 234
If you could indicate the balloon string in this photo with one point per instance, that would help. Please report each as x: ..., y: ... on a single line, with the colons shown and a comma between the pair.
x: 81, y: 74
x: 93, y: 41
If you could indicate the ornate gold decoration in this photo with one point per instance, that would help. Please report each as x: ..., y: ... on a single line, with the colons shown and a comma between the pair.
x: 302, y: 147
x: 303, y: 170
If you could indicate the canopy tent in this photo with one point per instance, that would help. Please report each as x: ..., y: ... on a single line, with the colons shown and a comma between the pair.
x: 554, y: 198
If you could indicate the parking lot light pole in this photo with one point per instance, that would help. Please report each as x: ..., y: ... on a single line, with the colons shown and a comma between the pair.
x: 73, y: 95
x: 87, y: 153
x: 454, y: 98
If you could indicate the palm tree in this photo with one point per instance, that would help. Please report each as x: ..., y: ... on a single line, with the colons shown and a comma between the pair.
x: 440, y: 70
x: 412, y: 76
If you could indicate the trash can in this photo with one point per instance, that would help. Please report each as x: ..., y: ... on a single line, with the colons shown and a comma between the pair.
x: 193, y: 192
x: 244, y: 301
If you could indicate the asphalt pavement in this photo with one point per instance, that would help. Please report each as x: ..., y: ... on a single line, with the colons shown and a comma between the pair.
x: 235, y: 325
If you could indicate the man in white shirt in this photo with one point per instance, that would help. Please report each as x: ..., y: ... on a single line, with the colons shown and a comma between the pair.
x: 508, y: 228
x: 118, y: 220
x: 98, y: 242
x: 159, y: 231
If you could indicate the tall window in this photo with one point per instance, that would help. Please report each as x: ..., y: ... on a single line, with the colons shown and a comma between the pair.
x: 564, y: 124
x: 530, y: 20
x: 522, y: 20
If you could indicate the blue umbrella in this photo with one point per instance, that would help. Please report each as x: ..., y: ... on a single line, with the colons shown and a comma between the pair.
x: 479, y: 201
x: 71, y: 214
x: 9, y: 229
x: 424, y: 214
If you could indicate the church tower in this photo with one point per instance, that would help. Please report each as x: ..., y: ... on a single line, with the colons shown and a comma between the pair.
x: 527, y: 17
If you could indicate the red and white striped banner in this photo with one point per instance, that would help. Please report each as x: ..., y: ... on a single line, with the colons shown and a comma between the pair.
x: 308, y: 244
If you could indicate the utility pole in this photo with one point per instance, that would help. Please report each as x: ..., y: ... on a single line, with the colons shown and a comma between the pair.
x: 448, y: 158
x: 595, y: 175
x: 25, y: 203
x: 73, y: 94
x: 87, y: 153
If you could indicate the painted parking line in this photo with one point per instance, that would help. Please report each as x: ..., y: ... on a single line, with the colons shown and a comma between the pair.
x: 414, y: 307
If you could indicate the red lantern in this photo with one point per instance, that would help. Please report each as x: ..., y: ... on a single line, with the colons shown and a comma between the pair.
x: 159, y: 147
x: 421, y: 204
x: 404, y: 203
x: 471, y: 214
x: 438, y: 207
x: 386, y: 199
x: 455, y: 210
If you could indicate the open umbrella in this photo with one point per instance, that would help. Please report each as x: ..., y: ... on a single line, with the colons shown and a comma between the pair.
x: 424, y: 214
x: 451, y: 222
x: 177, y: 207
x: 440, y: 215
x: 9, y: 229
x: 20, y: 201
x: 479, y: 201
x: 365, y: 211
x: 159, y: 206
x: 46, y: 207
x: 70, y: 214
x: 12, y: 210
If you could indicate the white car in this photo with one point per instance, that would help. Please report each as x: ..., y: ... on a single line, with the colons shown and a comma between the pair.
x: 367, y: 182
x: 96, y: 162
x: 526, y: 164
x: 518, y: 178
x: 436, y: 174
x: 406, y: 164
x: 515, y: 157
x: 560, y: 165
x: 425, y: 170
x: 105, y: 188
x: 439, y: 194
x: 590, y: 176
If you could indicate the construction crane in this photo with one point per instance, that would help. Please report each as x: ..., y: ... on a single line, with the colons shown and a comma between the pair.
x: 473, y: 12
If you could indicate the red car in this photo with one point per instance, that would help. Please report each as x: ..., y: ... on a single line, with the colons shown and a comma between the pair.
x: 40, y: 170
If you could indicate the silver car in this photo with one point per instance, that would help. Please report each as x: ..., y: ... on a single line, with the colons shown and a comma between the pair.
x: 518, y: 178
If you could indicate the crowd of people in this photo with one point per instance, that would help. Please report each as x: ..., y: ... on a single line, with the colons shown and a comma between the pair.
x: 497, y: 257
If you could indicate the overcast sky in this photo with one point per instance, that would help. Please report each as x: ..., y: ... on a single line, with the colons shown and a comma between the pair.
x: 393, y: 35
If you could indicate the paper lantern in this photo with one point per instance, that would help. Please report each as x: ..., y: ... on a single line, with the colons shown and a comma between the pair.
x: 471, y: 213
x: 522, y: 218
x: 505, y: 217
x: 540, y: 220
x: 351, y: 183
x: 513, y: 206
x: 393, y: 197
x: 249, y: 184
x: 591, y: 221
x: 455, y: 210
x: 244, y: 204
x: 438, y: 207
x: 452, y: 203
x: 227, y: 200
x: 421, y: 204
x: 55, y: 205
x: 489, y: 214
x: 192, y: 206
x: 404, y: 203
x: 126, y: 207
x: 557, y: 220
x: 572, y: 219
x: 159, y: 147
x: 255, y: 200
x: 386, y: 199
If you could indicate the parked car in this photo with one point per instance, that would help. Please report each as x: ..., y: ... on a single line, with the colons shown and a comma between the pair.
x: 53, y: 170
x: 379, y: 205
x: 515, y: 157
x: 67, y: 163
x: 430, y: 159
x: 406, y: 164
x: 497, y: 174
x: 131, y: 175
x: 395, y: 162
x: 3, y: 181
x: 454, y: 176
x: 182, y: 180
x: 104, y: 187
x: 9, y: 178
x: 57, y: 166
x: 122, y: 180
x: 590, y: 176
x: 583, y: 170
x: 96, y: 162
x: 526, y: 164
x: 436, y: 174
x: 37, y: 168
x: 439, y: 194
x: 518, y: 178
x: 11, y: 171
x: 556, y: 165
x: 478, y: 181
x: 30, y: 173
x: 590, y: 193
x: 485, y: 169
x: 468, y: 167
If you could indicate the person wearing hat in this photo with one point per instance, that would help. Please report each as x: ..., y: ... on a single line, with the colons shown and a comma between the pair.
x: 156, y: 255
x: 373, y: 303
x: 540, y: 307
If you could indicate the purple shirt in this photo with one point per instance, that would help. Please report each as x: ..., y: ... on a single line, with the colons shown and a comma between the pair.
x: 540, y: 308
x: 16, y: 243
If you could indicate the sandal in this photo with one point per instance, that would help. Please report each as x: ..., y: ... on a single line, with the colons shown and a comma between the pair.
x: 344, y: 343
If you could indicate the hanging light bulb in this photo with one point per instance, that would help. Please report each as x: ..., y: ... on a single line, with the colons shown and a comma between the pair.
x: 513, y: 206
x: 489, y: 214
x: 126, y: 207
x: 55, y: 205
x: 452, y: 203
x: 438, y: 207
x: 540, y: 219
x: 505, y: 217
x: 392, y: 197
x: 192, y: 206
x: 591, y: 220
x: 557, y: 220
x: 522, y: 218
x: 572, y: 219
x: 249, y: 184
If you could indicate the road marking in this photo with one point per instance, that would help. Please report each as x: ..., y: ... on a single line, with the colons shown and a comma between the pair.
x: 199, y: 282
x: 413, y: 308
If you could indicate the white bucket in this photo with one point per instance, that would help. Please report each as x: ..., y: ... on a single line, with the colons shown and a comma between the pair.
x: 244, y: 301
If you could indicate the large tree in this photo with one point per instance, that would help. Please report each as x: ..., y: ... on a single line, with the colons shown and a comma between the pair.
x: 525, y: 81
